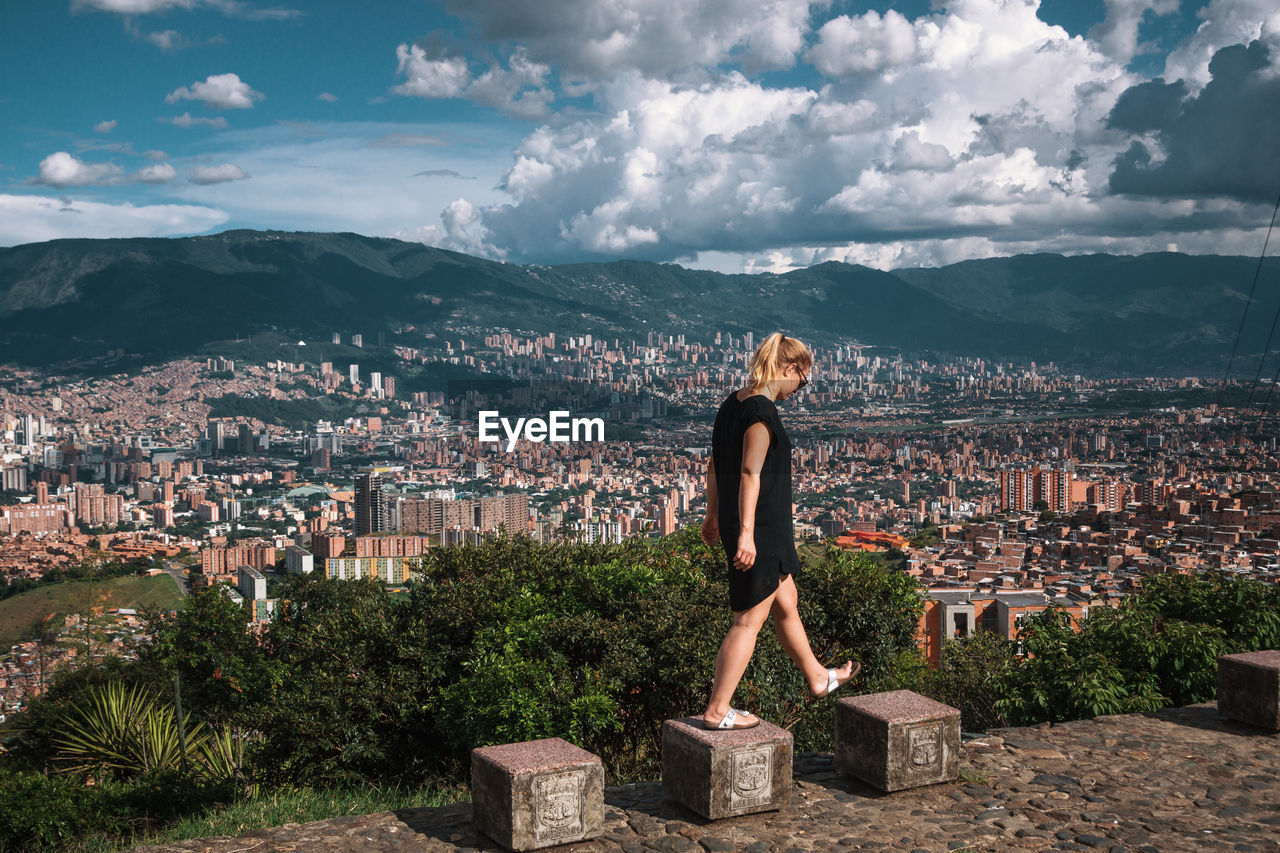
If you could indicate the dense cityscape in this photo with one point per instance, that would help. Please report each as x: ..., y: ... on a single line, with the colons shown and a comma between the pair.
x: 1001, y: 487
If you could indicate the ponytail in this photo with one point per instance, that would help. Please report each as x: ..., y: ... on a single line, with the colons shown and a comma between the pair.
x: 773, y: 354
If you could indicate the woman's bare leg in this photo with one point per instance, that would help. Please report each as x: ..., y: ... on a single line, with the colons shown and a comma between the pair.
x: 735, y: 654
x: 790, y: 631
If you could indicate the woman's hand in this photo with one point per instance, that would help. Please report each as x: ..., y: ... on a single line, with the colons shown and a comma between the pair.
x: 710, y: 530
x: 745, y: 558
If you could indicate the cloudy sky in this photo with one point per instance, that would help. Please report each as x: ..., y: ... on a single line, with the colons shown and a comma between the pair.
x: 729, y: 134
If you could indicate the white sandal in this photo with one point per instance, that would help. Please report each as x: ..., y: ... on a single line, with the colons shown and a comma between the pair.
x: 833, y: 680
x: 727, y: 722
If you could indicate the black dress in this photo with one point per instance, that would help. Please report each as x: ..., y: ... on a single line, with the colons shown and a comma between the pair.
x: 774, y: 532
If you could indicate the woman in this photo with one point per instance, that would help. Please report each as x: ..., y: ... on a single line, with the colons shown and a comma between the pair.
x: 749, y: 511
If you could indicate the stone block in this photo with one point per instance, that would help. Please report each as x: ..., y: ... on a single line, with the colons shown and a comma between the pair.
x: 538, y: 793
x: 1249, y: 688
x: 726, y: 773
x: 897, y: 740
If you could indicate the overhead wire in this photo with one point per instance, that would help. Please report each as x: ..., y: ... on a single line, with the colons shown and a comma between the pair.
x: 1235, y: 347
x: 1266, y: 348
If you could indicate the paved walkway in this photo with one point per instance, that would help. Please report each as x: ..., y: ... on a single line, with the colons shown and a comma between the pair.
x: 1177, y: 779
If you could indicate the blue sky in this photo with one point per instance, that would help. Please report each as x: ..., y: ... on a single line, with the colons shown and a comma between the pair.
x: 732, y: 134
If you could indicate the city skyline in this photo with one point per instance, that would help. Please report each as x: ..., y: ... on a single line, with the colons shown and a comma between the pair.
x: 742, y: 136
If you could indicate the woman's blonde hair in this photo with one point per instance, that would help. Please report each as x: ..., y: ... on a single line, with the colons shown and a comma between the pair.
x: 773, y: 354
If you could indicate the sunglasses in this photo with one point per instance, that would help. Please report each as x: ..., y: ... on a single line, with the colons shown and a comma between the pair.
x: 804, y: 380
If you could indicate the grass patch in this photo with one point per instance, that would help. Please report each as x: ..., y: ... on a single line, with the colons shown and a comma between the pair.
x: 810, y: 552
x: 22, y: 614
x: 969, y: 774
x: 276, y: 808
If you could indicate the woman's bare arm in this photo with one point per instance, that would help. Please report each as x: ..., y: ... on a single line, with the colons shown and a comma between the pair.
x: 711, y: 524
x: 713, y: 496
x: 755, y: 444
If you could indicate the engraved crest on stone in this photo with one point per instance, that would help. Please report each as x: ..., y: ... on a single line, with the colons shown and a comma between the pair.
x: 750, y: 777
x: 924, y: 746
x: 557, y: 804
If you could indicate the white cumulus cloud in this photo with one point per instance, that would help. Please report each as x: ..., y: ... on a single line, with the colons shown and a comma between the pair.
x: 1117, y: 35
x: 233, y: 8
x: 973, y: 128
x: 869, y: 43
x: 105, y: 126
x: 221, y: 91
x: 35, y: 218
x: 460, y: 231
x: 166, y: 39
x: 188, y: 120
x: 160, y: 173
x: 659, y: 38
x: 1224, y: 23
x: 61, y: 169
x: 217, y: 174
x: 519, y: 89
x: 430, y: 77
x: 133, y: 7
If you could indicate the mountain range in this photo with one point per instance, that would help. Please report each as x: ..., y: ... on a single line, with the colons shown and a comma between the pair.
x: 1162, y: 313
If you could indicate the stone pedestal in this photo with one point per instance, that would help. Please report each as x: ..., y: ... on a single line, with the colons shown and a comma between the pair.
x: 1249, y: 688
x: 897, y: 740
x: 726, y: 773
x: 538, y: 793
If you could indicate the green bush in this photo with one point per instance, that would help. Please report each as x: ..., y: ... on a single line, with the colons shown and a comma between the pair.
x: 513, y: 640
x: 47, y: 813
x: 971, y: 676
x: 38, y: 812
x: 1160, y: 647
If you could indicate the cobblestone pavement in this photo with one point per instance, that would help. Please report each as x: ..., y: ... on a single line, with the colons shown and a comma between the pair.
x: 1177, y: 779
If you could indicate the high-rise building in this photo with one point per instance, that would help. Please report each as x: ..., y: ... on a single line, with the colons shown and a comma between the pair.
x: 95, y: 508
x: 434, y: 515
x: 357, y: 340
x: 298, y: 561
x: 666, y: 518
x: 1053, y: 486
x: 14, y: 479
x: 372, y: 515
x: 252, y: 583
x: 1017, y: 489
x: 385, y: 569
x: 328, y: 545
x: 224, y: 560
x: 216, y: 433
x: 392, y: 546
x: 353, y: 373
x: 33, y: 518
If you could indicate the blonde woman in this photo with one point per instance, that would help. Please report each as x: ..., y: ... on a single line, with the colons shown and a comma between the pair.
x: 749, y: 511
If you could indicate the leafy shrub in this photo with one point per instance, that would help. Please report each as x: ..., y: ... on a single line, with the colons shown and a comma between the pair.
x: 46, y: 813
x: 38, y: 812
x: 1159, y: 647
x: 971, y: 676
x: 513, y: 640
x: 127, y: 732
